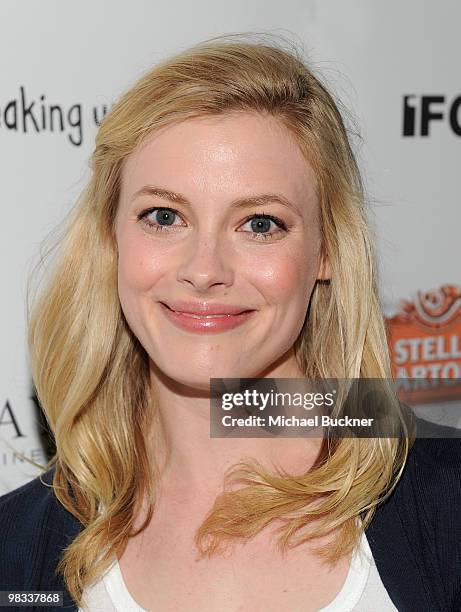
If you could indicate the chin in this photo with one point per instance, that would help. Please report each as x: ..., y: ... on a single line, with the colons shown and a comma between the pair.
x: 191, y: 386
x: 199, y: 378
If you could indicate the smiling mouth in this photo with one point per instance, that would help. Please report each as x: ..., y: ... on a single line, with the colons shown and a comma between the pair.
x: 208, y: 316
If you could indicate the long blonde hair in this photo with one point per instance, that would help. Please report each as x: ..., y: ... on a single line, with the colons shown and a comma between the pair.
x: 91, y: 373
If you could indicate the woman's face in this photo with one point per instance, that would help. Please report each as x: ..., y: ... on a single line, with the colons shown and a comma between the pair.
x: 186, y: 240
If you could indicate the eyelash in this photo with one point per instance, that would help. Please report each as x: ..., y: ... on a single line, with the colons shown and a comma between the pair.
x: 254, y: 235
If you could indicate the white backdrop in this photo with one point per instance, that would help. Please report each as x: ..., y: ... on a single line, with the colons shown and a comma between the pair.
x: 80, y: 56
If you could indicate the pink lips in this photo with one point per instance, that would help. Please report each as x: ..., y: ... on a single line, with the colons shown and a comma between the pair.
x: 204, y: 317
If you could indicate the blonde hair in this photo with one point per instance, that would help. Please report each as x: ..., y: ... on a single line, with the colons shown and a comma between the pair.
x: 91, y: 373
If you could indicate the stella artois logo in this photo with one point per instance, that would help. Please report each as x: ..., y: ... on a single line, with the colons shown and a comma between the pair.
x: 425, y: 345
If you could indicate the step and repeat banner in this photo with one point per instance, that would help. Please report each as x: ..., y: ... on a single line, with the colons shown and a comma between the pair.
x: 394, y: 65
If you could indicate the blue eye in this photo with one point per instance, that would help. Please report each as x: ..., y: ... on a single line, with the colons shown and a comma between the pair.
x: 260, y: 223
x: 163, y: 216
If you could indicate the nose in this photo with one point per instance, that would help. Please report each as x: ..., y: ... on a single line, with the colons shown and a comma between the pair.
x: 206, y: 262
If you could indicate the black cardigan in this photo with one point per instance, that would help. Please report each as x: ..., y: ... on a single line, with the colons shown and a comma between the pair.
x: 415, y: 536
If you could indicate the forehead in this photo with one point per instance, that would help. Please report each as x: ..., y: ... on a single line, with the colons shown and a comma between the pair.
x: 229, y: 155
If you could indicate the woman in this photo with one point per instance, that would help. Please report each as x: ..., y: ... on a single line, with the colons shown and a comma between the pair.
x: 223, y: 234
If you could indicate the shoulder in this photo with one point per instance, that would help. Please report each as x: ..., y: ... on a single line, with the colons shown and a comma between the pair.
x: 23, y: 513
x: 33, y: 526
x: 416, y: 532
x: 434, y: 468
x: 27, y: 503
x: 429, y: 490
x: 35, y: 488
x: 428, y: 496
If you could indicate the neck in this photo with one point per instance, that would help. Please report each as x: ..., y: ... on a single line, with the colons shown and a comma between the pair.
x: 193, y: 464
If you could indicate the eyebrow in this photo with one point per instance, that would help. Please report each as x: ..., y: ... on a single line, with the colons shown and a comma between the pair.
x: 244, y: 202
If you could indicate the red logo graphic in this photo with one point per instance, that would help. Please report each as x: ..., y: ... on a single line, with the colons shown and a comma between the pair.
x: 425, y: 344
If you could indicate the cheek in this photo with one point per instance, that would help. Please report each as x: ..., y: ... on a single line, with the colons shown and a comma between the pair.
x: 286, y: 277
x: 138, y: 271
x: 138, y: 267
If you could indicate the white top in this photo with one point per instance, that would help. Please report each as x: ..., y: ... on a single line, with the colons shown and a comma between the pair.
x: 362, y: 590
